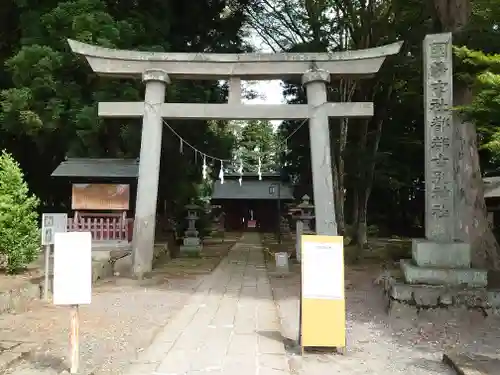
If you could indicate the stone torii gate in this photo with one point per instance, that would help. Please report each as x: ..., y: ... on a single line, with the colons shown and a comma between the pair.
x: 157, y: 70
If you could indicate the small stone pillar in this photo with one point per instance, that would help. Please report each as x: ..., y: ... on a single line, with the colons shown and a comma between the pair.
x: 149, y: 169
x: 191, y: 244
x: 303, y: 225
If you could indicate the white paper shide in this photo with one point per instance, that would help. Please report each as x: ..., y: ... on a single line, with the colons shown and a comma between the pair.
x: 72, y: 268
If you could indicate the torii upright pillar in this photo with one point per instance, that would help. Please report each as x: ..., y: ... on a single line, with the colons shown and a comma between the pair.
x: 315, y: 81
x: 149, y: 170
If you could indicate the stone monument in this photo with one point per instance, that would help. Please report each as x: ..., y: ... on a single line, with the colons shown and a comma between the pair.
x: 440, y: 258
x: 439, y: 273
x: 191, y: 244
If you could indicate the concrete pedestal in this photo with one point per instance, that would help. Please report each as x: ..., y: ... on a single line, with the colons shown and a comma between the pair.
x: 436, y: 263
x: 427, y: 253
x: 467, y: 277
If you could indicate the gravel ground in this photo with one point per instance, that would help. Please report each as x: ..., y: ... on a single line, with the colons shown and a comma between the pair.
x: 379, y: 344
x: 122, y: 320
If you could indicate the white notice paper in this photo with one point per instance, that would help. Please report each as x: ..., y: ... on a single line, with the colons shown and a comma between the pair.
x: 72, y: 268
x: 322, y: 270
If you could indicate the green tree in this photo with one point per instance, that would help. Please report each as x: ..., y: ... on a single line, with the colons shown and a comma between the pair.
x: 19, y: 233
x: 49, y: 96
x: 256, y: 139
x: 484, y: 110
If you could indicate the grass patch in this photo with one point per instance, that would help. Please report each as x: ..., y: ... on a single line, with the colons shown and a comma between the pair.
x: 208, y: 260
x: 379, y: 250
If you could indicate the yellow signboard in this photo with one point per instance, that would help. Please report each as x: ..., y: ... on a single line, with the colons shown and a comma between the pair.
x: 323, y: 315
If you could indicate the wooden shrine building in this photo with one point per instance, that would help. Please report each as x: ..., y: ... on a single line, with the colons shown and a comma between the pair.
x: 102, y: 195
x: 253, y: 204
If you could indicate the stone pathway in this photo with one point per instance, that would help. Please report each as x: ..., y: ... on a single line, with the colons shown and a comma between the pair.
x: 229, y: 326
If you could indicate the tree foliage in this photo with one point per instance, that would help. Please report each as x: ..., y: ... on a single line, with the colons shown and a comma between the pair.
x: 19, y: 234
x: 379, y: 163
x: 49, y: 96
x: 256, y: 140
x: 484, y: 110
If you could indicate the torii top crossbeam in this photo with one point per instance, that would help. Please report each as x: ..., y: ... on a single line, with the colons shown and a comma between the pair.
x: 247, y: 66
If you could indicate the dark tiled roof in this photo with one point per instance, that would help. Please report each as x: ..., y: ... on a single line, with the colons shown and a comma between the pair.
x: 105, y: 168
x: 249, y: 189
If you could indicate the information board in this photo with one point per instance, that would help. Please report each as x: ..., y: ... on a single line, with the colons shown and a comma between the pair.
x: 100, y: 197
x: 51, y: 224
x: 72, y: 268
x: 322, y: 292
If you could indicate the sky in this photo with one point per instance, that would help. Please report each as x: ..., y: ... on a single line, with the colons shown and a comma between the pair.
x: 269, y: 92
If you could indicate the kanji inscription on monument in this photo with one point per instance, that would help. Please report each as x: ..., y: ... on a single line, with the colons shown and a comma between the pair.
x: 439, y: 138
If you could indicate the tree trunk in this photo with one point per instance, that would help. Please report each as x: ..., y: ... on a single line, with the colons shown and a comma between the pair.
x: 339, y: 207
x: 473, y: 224
x: 341, y: 175
x: 359, y: 225
x: 347, y: 89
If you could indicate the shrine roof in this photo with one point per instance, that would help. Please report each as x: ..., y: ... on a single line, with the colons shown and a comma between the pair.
x: 250, y: 190
x: 103, y: 168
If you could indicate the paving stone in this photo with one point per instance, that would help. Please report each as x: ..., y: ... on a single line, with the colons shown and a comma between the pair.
x: 270, y: 345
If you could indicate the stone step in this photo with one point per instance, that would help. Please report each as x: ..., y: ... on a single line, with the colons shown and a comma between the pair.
x: 443, y: 276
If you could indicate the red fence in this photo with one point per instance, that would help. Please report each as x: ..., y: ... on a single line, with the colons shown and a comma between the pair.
x: 104, y: 227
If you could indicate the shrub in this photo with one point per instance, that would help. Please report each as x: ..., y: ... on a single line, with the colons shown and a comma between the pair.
x: 19, y: 233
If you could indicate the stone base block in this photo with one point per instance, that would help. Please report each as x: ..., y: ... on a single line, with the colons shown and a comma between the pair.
x: 191, y: 241
x: 443, y: 276
x: 427, y: 253
x: 423, y: 297
x: 191, y: 251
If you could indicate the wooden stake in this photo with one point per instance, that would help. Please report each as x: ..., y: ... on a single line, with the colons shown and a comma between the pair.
x: 46, y: 276
x: 74, y: 340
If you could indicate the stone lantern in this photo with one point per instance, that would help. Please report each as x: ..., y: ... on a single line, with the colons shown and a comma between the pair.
x: 191, y: 244
x: 303, y: 225
x: 307, y: 214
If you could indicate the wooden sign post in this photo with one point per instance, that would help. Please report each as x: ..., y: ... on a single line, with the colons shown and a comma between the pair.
x: 51, y: 224
x: 322, y: 304
x: 74, y: 342
x: 73, y: 281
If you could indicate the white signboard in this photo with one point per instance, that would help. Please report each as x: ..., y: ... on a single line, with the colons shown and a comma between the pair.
x: 322, y: 270
x: 72, y: 268
x: 51, y: 224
